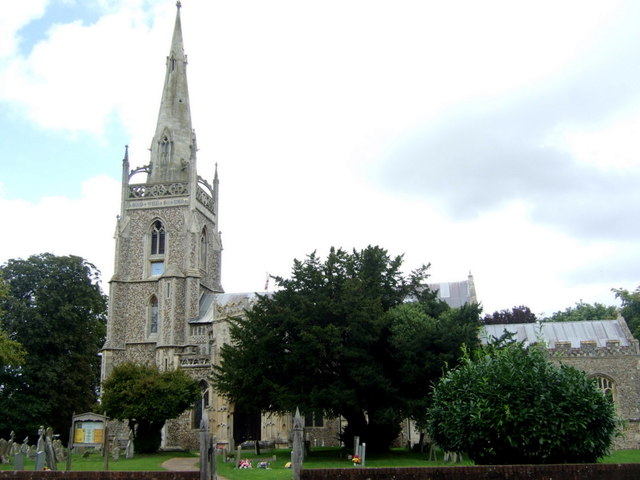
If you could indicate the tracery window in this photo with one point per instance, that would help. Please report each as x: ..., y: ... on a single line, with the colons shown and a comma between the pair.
x: 157, y: 248
x: 158, y: 237
x: 607, y: 386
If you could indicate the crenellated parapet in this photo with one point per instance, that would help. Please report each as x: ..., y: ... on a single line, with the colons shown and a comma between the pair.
x: 590, y: 348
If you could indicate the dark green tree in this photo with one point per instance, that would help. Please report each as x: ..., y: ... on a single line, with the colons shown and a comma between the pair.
x: 509, y: 404
x: 11, y: 352
x: 584, y: 312
x: 146, y: 398
x: 54, y: 308
x: 326, y: 341
x: 519, y: 314
x: 630, y: 309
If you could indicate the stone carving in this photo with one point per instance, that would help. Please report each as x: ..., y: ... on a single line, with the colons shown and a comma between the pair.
x: 143, y: 190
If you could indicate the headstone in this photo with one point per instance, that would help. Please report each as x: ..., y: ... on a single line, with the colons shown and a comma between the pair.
x: 41, y: 461
x: 129, y: 449
x: 24, y: 448
x: 40, y: 445
x: 58, y: 450
x: 48, y: 449
x: 297, y: 453
x: 18, y: 461
x: 4, y: 451
x: 115, y: 448
x: 207, y: 451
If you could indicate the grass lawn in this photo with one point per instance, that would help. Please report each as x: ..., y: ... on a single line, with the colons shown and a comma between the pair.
x: 319, y: 458
x: 94, y: 462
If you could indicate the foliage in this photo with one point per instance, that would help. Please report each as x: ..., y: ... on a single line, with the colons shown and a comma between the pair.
x: 11, y: 352
x: 146, y: 398
x: 326, y: 341
x: 509, y: 404
x: 54, y: 308
x: 584, y: 312
x: 630, y: 309
x: 519, y: 314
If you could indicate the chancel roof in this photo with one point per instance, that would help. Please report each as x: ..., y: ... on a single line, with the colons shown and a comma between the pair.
x: 599, y: 331
x: 215, y: 306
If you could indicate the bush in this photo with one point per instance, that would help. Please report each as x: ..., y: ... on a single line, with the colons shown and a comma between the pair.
x: 510, y: 405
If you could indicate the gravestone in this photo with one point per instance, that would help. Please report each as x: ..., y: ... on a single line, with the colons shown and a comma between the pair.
x: 129, y: 449
x: 48, y: 449
x: 18, y: 461
x: 297, y: 453
x: 41, y: 461
x: 4, y: 451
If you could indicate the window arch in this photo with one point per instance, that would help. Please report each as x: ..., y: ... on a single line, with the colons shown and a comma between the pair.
x: 157, y: 247
x: 158, y: 238
x: 203, y: 249
x: 607, y: 385
x: 154, y: 314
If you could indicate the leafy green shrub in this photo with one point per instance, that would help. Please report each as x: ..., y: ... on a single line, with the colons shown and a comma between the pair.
x: 510, y: 405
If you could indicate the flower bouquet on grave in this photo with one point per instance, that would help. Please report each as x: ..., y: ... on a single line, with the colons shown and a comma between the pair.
x: 356, y: 460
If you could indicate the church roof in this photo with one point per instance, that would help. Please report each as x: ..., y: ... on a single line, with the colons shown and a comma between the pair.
x: 456, y: 294
x: 599, y: 331
x: 215, y: 306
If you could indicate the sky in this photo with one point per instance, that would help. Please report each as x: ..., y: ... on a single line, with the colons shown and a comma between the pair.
x: 499, y: 138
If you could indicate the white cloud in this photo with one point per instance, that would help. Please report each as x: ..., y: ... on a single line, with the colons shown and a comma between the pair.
x: 298, y: 101
x: 64, y: 226
x: 13, y: 19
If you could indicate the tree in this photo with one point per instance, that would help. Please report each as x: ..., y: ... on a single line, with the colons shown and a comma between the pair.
x: 509, y: 404
x: 11, y: 352
x: 146, y: 398
x: 519, y: 314
x: 584, y: 312
x: 327, y: 342
x: 630, y: 309
x: 54, y: 308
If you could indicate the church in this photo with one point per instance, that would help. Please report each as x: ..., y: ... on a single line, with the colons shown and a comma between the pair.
x: 167, y: 305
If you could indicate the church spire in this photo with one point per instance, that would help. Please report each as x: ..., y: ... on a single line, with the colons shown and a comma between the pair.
x: 172, y: 147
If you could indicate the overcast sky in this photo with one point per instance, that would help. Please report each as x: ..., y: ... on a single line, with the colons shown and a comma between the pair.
x: 497, y: 137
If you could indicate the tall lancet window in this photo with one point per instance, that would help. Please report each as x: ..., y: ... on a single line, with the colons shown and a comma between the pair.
x: 153, y: 315
x: 157, y: 247
x: 203, y: 249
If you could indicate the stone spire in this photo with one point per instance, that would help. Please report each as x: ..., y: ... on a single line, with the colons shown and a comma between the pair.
x: 173, y: 146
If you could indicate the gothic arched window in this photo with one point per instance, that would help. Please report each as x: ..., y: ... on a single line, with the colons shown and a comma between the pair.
x: 203, y: 249
x: 157, y: 247
x: 153, y: 315
x: 158, y: 239
x: 607, y: 385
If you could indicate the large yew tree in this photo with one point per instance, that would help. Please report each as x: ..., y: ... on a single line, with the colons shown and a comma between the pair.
x: 54, y: 308
x: 335, y: 339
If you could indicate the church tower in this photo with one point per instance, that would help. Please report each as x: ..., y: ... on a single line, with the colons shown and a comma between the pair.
x: 168, y: 246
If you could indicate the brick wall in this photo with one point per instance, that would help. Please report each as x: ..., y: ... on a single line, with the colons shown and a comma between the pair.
x: 597, y: 471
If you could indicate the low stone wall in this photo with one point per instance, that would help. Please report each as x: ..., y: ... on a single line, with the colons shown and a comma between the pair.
x: 59, y: 475
x: 591, y: 471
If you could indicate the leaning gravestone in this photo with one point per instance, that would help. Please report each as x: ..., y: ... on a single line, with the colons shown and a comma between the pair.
x: 4, y: 451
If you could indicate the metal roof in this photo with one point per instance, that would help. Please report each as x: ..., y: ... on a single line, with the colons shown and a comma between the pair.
x: 599, y: 331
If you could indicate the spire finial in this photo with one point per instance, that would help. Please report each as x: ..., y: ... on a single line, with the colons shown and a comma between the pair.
x: 126, y: 153
x: 179, y: 4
